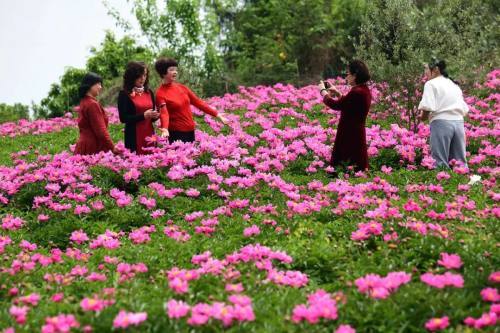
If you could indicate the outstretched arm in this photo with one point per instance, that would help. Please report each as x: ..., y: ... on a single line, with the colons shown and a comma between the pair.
x: 340, y: 103
x: 200, y: 104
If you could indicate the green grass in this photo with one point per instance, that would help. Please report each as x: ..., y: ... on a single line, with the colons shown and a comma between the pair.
x: 319, y: 243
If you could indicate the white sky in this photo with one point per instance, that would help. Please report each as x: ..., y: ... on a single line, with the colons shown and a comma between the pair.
x: 39, y: 38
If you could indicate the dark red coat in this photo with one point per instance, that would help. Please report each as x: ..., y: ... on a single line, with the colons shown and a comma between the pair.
x: 93, y: 126
x: 350, y: 142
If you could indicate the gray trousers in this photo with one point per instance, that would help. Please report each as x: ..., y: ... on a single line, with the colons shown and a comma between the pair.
x: 447, y: 141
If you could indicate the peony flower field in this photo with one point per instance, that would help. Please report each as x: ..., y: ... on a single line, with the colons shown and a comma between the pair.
x: 246, y: 231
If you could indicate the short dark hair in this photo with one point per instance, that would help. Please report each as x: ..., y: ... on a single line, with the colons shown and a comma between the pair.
x: 359, y: 68
x: 163, y: 64
x: 134, y: 70
x: 88, y: 81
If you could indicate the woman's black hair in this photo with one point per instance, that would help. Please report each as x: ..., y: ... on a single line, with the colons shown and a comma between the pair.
x: 163, y: 64
x: 88, y: 81
x: 359, y: 68
x: 441, y: 65
x: 134, y: 70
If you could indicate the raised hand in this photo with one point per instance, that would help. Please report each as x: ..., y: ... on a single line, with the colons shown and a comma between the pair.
x: 334, y: 91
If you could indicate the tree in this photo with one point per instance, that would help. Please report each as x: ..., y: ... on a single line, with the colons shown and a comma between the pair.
x: 13, y: 112
x: 62, y: 96
x: 226, y: 43
x: 269, y: 41
x: 108, y: 60
x: 398, y: 37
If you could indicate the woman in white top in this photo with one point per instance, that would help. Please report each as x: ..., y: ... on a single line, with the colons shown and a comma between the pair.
x: 443, y: 103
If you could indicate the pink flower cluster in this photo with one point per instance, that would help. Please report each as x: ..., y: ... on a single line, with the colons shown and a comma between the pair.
x: 365, y: 230
x: 437, y: 324
x: 60, y: 324
x: 125, y: 319
x: 128, y: 271
x: 320, y: 305
x: 239, y: 310
x: 122, y: 199
x: 141, y: 235
x: 109, y: 240
x: 95, y: 304
x: 10, y: 222
x: 251, y: 231
x: 450, y: 261
x: 176, y: 233
x: 441, y: 281
x: 79, y: 237
x: 490, y: 318
x: 379, y: 287
x: 178, y: 279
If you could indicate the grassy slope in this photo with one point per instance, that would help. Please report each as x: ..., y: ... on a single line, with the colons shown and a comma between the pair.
x: 320, y: 245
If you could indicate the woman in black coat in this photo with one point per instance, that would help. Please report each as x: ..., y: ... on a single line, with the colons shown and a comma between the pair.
x: 136, y: 107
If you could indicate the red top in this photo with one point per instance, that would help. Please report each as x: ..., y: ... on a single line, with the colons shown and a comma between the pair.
x: 350, y: 142
x: 143, y: 129
x: 176, y: 115
x: 93, y: 126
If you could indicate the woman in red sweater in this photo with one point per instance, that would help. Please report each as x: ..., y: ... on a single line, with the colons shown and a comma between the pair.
x: 174, y: 101
x: 92, y: 120
x: 350, y: 142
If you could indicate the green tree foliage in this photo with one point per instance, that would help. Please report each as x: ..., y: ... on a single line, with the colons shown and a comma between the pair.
x: 186, y: 30
x: 225, y: 43
x: 62, y: 96
x: 108, y: 60
x: 13, y: 112
x: 221, y: 44
x: 399, y: 36
x: 288, y: 40
x: 111, y: 57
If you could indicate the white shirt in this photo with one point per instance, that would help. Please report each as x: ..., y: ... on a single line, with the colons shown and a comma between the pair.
x: 443, y: 99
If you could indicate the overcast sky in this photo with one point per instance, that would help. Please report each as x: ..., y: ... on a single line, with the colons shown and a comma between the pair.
x: 39, y: 38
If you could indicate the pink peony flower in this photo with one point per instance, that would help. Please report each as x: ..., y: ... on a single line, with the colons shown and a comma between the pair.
x: 345, y: 329
x: 490, y: 295
x: 125, y: 319
x: 57, y: 297
x: 31, y: 299
x: 19, y: 313
x: 379, y: 287
x: 437, y: 324
x: 494, y: 277
x: 177, y: 309
x: 79, y: 237
x: 320, y: 305
x: 92, y: 304
x: 251, y: 231
x: 442, y: 281
x: 60, y: 324
x: 450, y: 261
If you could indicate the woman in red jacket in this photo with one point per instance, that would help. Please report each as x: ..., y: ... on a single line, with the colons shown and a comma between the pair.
x: 350, y: 142
x: 92, y: 120
x: 174, y: 101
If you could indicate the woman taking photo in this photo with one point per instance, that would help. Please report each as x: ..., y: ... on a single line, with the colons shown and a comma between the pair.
x: 174, y: 101
x: 350, y: 142
x: 443, y: 102
x: 136, y: 105
x: 92, y: 120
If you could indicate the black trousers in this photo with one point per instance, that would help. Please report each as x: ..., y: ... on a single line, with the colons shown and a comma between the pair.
x: 181, y: 136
